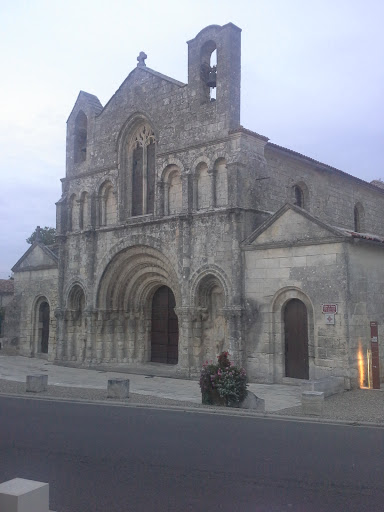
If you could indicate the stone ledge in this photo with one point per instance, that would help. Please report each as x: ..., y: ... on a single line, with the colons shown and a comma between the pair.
x: 327, y: 385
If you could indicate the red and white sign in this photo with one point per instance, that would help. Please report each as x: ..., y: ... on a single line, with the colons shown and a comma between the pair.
x: 330, y: 308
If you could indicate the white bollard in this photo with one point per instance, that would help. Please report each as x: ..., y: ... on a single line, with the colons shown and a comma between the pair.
x: 37, y: 383
x: 21, y: 495
x: 118, y: 388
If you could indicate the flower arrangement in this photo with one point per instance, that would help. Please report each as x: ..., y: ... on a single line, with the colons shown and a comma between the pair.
x: 223, y: 383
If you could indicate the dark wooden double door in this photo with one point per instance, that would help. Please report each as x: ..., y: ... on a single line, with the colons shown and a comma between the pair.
x: 165, y: 327
x: 44, y: 315
x: 296, y: 340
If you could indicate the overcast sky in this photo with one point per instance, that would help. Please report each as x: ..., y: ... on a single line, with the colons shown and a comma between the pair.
x: 312, y: 81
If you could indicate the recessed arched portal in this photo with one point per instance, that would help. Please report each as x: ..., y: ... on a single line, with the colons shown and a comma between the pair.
x: 296, y: 339
x: 164, y: 327
x: 43, y: 335
x: 138, y: 287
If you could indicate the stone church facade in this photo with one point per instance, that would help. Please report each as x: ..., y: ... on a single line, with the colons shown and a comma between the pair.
x: 181, y: 234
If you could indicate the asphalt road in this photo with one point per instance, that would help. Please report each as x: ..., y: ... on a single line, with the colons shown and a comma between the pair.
x: 117, y: 459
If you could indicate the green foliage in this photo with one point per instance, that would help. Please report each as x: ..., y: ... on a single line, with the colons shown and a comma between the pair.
x: 223, y: 382
x: 47, y: 236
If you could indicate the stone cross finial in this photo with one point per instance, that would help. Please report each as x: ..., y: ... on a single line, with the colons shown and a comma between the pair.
x: 141, y: 58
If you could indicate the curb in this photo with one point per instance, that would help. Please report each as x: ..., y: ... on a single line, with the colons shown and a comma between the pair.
x: 208, y: 410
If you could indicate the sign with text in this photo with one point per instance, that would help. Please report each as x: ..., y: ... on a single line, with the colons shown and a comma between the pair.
x: 375, y: 355
x: 329, y: 308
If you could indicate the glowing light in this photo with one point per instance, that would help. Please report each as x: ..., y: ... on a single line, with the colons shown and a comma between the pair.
x: 360, y: 363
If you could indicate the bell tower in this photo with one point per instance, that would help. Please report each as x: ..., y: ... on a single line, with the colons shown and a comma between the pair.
x: 219, y: 82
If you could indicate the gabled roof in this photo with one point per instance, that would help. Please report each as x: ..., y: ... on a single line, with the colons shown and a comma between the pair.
x: 89, y: 99
x: 149, y: 71
x: 37, y: 257
x: 288, y: 233
x: 279, y: 232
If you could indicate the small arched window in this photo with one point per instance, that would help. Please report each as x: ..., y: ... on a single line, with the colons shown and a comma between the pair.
x: 73, y: 213
x: 203, y: 187
x: 221, y: 182
x: 85, y: 213
x: 80, y: 142
x: 299, y: 196
x: 174, y: 192
x: 107, y: 205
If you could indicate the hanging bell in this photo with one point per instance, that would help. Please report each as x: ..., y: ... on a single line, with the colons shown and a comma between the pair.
x: 211, y: 82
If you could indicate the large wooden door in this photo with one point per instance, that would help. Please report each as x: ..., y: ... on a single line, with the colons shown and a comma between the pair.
x: 165, y: 328
x: 296, y: 340
x: 44, y: 326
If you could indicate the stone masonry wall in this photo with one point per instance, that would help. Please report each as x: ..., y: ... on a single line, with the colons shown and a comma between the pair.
x: 331, y: 196
x: 31, y: 286
x: 365, y: 300
x: 314, y: 274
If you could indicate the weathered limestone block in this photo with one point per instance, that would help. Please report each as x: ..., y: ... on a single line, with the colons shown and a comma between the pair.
x: 251, y: 401
x: 118, y: 388
x: 37, y: 383
x: 21, y: 495
x: 328, y: 385
x: 312, y: 403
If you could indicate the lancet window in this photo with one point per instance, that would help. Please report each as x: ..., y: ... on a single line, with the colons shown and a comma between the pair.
x: 142, y: 170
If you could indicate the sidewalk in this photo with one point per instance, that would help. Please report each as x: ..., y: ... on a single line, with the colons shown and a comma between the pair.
x: 16, y: 368
x: 358, y: 406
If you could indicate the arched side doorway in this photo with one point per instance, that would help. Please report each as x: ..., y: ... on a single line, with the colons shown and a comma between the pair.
x: 43, y: 332
x: 164, y: 327
x: 296, y: 340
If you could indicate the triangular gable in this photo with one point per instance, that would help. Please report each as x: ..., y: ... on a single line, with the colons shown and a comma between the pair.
x: 134, y: 76
x: 38, y: 257
x: 290, y: 226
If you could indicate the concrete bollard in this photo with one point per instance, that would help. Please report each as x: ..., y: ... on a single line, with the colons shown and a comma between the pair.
x: 118, y: 388
x: 21, y: 495
x: 37, y: 383
x: 312, y: 402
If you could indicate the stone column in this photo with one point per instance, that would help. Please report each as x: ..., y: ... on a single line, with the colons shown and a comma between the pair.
x: 59, y: 314
x: 194, y: 193
x: 236, y: 349
x: 142, y: 335
x: 184, y: 316
x: 91, y: 318
x: 186, y: 205
x: 131, y: 330
x: 160, y: 200
x: 98, y: 356
x: 166, y: 199
x: 212, y: 179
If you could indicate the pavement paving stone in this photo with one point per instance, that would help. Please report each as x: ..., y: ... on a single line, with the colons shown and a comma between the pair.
x: 91, y: 384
